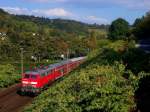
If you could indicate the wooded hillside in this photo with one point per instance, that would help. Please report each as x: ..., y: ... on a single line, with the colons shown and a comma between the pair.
x: 44, y: 38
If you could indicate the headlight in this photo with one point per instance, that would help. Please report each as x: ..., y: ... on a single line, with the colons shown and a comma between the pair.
x: 33, y: 82
x: 25, y: 82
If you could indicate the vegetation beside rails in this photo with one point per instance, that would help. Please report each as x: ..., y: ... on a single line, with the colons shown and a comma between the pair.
x: 109, y: 81
x: 8, y: 75
x: 11, y: 73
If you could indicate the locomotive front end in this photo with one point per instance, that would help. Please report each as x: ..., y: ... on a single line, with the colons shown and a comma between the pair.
x: 30, y: 83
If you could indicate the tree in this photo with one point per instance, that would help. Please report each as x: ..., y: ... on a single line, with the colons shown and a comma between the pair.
x: 92, y: 40
x: 142, y: 30
x: 137, y: 21
x: 119, y: 29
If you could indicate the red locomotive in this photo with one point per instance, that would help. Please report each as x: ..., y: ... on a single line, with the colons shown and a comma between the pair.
x: 36, y: 80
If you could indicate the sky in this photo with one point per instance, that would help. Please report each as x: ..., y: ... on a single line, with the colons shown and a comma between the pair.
x: 88, y: 11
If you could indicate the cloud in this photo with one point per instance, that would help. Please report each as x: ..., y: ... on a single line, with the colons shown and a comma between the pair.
x: 58, y: 12
x: 55, y: 12
x: 16, y: 10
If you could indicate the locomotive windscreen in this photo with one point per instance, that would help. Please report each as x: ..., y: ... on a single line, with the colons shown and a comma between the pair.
x: 33, y: 76
x: 27, y: 76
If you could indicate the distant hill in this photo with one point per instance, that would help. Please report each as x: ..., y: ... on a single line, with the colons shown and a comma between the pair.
x: 43, y: 37
x: 2, y: 11
x: 69, y: 26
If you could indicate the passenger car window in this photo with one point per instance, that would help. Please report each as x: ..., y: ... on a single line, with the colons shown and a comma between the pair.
x: 43, y: 74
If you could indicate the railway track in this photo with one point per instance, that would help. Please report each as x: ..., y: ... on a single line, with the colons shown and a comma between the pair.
x: 11, y: 101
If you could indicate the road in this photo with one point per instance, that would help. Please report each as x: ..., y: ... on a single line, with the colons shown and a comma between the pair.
x: 145, y: 45
x: 11, y: 101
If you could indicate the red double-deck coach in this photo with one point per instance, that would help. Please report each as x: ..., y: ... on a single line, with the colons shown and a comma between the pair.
x: 36, y: 80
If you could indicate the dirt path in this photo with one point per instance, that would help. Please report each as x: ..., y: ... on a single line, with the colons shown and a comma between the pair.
x: 10, y: 101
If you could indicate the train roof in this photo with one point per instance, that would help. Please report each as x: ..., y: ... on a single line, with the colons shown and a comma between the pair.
x: 77, y: 59
x: 52, y: 66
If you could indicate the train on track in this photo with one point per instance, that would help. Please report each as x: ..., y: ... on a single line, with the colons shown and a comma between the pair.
x: 35, y: 81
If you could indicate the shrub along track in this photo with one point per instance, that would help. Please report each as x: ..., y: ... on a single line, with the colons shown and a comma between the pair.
x: 11, y: 101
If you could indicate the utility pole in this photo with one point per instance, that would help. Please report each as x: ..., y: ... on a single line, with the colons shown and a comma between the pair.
x: 67, y: 60
x: 22, y: 61
x: 39, y: 58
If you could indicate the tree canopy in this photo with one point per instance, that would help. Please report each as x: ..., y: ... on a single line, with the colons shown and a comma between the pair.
x: 44, y: 38
x: 142, y: 29
x: 118, y: 29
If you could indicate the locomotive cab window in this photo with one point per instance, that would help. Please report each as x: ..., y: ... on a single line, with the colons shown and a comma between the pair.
x: 33, y: 76
x: 27, y: 76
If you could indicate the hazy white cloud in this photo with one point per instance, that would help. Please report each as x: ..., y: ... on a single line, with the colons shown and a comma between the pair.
x: 92, y: 17
x: 16, y: 10
x: 59, y: 12
x: 55, y: 12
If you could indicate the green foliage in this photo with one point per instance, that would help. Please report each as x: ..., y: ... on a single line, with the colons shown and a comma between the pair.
x: 108, y: 80
x: 102, y: 43
x: 136, y: 60
x: 142, y: 92
x: 92, y: 41
x: 142, y: 29
x: 69, y: 26
x: 44, y: 38
x: 8, y: 75
x: 118, y: 46
x: 94, y: 88
x: 137, y: 22
x: 119, y: 29
x: 101, y: 84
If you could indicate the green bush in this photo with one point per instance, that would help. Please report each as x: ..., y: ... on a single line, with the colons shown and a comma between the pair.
x: 102, y: 43
x: 94, y: 87
x: 8, y: 75
x: 118, y: 46
x: 119, y: 29
x: 106, y: 82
